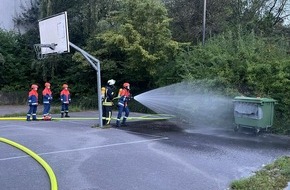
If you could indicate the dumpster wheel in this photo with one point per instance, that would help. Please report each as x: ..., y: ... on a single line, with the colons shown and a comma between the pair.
x: 237, y: 128
x: 257, y: 130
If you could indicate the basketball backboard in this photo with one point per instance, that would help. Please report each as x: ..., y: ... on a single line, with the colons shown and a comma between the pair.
x: 53, y: 31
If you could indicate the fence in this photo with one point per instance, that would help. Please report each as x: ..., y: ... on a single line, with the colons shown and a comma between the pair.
x: 13, y: 98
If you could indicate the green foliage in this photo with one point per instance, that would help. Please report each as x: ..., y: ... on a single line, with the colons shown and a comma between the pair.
x: 87, y: 102
x: 252, y: 65
x: 136, y: 43
x: 272, y: 177
x: 14, y: 61
x: 261, y: 16
x: 28, y: 20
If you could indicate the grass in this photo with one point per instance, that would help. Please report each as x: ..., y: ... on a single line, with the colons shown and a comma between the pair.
x: 274, y: 176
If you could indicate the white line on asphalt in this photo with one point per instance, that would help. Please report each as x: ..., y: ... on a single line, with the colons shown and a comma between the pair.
x: 87, y: 148
x: 7, y: 126
x: 21, y: 127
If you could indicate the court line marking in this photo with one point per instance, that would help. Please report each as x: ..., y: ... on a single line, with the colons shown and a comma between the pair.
x: 87, y: 148
x: 30, y: 153
x: 21, y: 127
x: 7, y: 126
x: 14, y: 126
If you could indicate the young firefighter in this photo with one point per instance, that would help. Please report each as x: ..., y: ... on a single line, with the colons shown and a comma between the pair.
x: 47, y: 98
x: 107, y: 101
x: 32, y: 102
x: 65, y: 100
x: 125, y: 96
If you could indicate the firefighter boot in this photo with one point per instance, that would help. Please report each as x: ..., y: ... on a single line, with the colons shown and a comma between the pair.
x: 28, y: 117
x: 61, y: 115
x: 104, y: 121
x: 66, y: 114
x: 118, y: 123
x: 124, y: 122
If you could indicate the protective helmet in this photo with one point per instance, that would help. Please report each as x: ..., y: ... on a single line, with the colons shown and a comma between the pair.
x: 34, y: 86
x: 111, y: 82
x: 47, y: 84
x: 126, y: 85
x: 64, y: 86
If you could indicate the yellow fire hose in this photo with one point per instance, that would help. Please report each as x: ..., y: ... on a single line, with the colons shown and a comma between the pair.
x: 146, y: 117
x: 53, y: 181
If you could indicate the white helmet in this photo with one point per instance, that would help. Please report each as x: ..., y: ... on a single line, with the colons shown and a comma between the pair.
x: 111, y: 82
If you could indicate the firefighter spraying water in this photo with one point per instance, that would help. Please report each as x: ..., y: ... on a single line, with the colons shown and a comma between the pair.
x: 124, y: 97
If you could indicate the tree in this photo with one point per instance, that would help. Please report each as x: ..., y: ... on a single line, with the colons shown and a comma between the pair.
x: 135, y: 40
x: 14, y: 65
x: 243, y: 64
x: 187, y: 18
x: 262, y: 16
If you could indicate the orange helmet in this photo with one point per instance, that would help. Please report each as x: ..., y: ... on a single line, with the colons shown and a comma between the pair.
x: 64, y: 86
x: 126, y: 85
x: 34, y: 86
x: 47, y: 84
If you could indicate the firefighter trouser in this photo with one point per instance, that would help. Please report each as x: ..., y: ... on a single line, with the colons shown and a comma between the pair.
x: 32, y: 111
x: 46, y: 109
x: 107, y: 114
x: 64, y: 109
x: 122, y: 109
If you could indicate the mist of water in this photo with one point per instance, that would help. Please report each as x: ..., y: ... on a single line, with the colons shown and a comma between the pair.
x: 190, y: 103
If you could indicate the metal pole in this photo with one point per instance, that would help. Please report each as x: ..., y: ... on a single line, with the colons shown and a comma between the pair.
x: 204, y: 19
x: 97, y: 67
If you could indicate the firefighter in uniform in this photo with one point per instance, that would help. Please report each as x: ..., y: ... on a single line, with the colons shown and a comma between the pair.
x: 32, y: 102
x: 107, y: 101
x: 65, y: 100
x: 124, y: 97
x: 47, y: 98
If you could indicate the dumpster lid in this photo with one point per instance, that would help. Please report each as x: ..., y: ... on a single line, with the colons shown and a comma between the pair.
x: 252, y: 99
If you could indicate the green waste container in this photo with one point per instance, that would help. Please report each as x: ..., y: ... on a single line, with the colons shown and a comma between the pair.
x: 257, y: 113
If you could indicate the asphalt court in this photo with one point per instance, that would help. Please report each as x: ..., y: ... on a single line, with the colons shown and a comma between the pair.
x: 58, y: 142
x: 145, y: 155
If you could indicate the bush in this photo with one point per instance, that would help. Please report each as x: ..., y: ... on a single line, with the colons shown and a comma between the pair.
x: 243, y: 65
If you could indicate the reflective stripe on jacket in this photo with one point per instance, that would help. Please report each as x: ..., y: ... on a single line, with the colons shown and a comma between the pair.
x: 109, y: 95
x: 33, y: 97
x: 65, y: 96
x: 124, y: 97
x: 47, y: 96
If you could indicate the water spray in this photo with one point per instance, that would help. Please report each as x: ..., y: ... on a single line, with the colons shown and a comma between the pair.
x: 191, y: 103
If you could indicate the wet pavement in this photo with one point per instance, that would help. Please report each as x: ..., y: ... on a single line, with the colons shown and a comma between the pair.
x: 145, y: 155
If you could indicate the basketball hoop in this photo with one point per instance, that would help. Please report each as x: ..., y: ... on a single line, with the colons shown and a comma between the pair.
x: 38, y: 49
